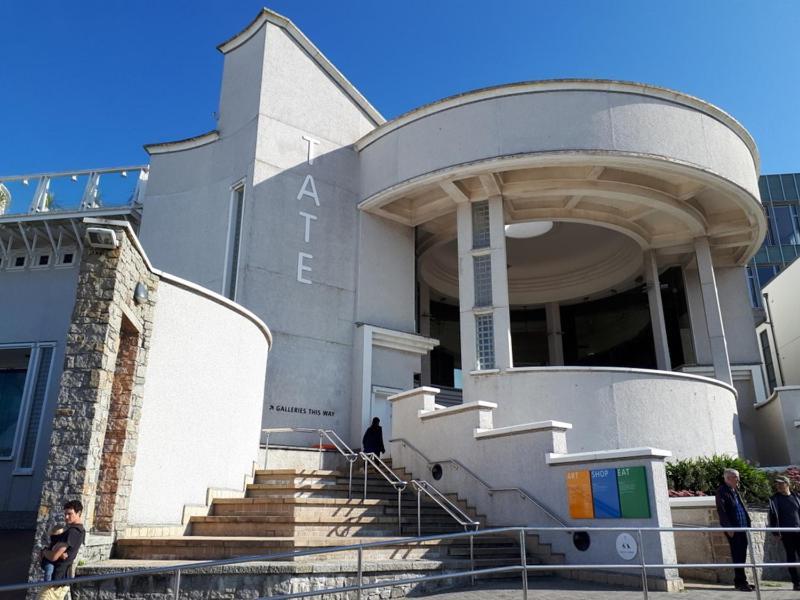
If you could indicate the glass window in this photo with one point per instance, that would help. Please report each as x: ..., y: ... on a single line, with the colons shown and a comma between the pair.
x: 768, y: 364
x: 763, y: 188
x: 484, y: 338
x: 13, y: 373
x: 237, y: 212
x: 37, y: 406
x: 787, y: 229
x: 775, y: 189
x: 480, y: 224
x: 752, y: 286
x: 789, y: 187
x: 482, y: 271
x: 765, y: 274
x: 769, y: 239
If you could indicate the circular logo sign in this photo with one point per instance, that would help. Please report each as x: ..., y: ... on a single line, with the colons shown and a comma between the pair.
x: 626, y: 546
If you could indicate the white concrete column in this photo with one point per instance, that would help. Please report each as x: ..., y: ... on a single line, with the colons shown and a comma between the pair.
x: 656, y: 311
x: 555, y: 343
x: 466, y: 291
x: 502, y: 317
x: 716, y: 330
x: 425, y: 329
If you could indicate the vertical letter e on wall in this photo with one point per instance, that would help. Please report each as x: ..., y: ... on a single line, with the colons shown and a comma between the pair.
x: 301, y: 266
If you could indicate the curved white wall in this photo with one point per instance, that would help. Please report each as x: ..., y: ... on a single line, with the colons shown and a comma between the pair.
x: 550, y: 117
x: 618, y: 408
x: 203, y: 398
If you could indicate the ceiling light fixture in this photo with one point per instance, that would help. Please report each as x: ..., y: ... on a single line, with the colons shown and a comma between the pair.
x: 529, y: 229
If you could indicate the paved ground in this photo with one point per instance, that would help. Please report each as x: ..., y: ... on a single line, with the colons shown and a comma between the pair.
x: 559, y: 589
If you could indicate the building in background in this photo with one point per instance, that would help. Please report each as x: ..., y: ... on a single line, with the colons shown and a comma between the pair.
x: 779, y: 341
x: 780, y: 197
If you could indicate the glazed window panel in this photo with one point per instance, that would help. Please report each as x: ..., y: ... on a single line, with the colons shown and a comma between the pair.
x: 480, y: 224
x: 237, y: 213
x: 766, y: 350
x: 775, y: 189
x: 787, y: 228
x: 36, y: 408
x: 484, y: 339
x: 789, y: 187
x: 13, y: 375
x: 482, y: 275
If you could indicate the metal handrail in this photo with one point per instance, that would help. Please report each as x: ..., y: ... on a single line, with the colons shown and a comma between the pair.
x: 491, y: 490
x: 444, y: 502
x: 333, y: 437
x: 522, y: 567
x: 385, y: 471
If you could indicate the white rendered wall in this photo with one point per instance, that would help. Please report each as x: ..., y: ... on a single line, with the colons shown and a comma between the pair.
x: 782, y: 295
x: 594, y: 116
x: 35, y: 306
x: 618, y: 408
x: 203, y: 398
x: 778, y: 436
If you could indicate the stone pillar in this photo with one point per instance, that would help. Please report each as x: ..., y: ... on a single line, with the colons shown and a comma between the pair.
x: 555, y: 342
x: 96, y: 420
x: 716, y: 330
x: 656, y: 311
x: 466, y: 290
x: 425, y: 329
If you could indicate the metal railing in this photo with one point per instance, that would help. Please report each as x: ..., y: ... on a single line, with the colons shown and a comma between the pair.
x: 462, y: 518
x: 43, y: 199
x: 385, y: 471
x: 490, y: 490
x: 337, y: 442
x: 522, y: 567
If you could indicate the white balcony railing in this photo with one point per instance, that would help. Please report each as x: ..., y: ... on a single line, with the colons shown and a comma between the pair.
x: 73, y: 190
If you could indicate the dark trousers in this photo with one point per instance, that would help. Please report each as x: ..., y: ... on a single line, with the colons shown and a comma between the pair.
x: 791, y: 543
x: 738, y: 544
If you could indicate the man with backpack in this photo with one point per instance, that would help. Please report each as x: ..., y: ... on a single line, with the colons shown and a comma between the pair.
x: 784, y: 511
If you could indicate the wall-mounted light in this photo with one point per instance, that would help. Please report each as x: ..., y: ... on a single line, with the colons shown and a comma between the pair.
x: 529, y: 229
x: 140, y: 293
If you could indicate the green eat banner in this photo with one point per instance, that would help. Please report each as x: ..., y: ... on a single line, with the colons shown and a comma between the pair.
x: 634, y: 501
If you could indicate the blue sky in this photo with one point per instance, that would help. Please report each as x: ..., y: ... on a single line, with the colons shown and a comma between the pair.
x: 86, y: 83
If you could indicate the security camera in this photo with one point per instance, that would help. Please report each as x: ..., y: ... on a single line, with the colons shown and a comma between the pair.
x: 100, y: 237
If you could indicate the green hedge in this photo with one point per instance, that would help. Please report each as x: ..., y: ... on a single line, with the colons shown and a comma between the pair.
x: 705, y: 475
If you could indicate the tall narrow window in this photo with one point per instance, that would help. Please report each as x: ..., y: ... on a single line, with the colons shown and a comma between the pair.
x: 480, y: 224
x: 36, y: 407
x: 769, y: 366
x: 482, y: 272
x: 13, y: 377
x: 237, y: 212
x: 484, y: 338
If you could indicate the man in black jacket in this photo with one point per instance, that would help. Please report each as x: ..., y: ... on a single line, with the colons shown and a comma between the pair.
x: 732, y: 513
x: 784, y: 511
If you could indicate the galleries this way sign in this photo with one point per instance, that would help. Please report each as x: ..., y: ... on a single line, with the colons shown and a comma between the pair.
x: 614, y: 493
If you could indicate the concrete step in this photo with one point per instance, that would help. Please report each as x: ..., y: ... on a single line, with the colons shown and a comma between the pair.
x: 382, y: 526
x: 315, y: 508
x: 214, y: 547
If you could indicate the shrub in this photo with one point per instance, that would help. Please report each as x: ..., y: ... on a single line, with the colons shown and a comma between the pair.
x: 704, y: 475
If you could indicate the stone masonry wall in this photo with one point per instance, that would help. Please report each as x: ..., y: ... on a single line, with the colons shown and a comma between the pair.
x: 104, y: 311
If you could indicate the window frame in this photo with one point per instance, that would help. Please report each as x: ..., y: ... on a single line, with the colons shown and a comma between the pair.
x: 23, y: 425
x: 230, y: 276
x: 26, y: 392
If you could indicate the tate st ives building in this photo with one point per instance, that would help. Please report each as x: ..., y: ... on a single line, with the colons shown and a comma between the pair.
x: 552, y: 270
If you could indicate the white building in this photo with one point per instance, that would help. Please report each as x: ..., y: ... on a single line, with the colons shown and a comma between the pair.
x: 779, y: 340
x: 572, y: 251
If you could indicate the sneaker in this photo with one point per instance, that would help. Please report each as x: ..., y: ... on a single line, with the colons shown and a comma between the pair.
x: 796, y: 587
x: 745, y: 587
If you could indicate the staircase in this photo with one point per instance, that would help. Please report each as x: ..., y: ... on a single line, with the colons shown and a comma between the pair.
x: 287, y: 510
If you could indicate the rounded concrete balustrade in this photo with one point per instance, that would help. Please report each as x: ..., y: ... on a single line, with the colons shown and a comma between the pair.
x: 658, y: 166
x: 618, y: 408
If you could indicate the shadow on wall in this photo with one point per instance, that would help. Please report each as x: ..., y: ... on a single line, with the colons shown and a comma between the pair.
x: 15, y: 556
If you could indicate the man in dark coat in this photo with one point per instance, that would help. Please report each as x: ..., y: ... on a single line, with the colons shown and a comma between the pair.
x: 784, y: 511
x: 373, y: 438
x: 732, y: 513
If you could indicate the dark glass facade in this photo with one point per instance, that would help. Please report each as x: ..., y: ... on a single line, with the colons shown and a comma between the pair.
x: 781, y: 201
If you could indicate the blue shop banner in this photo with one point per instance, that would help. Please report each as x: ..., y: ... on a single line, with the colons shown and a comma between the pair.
x: 605, y: 494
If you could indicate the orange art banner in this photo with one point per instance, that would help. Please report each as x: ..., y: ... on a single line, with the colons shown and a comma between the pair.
x: 579, y: 495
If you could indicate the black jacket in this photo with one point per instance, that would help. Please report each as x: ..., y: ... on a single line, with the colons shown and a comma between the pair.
x: 73, y: 537
x: 726, y: 506
x: 373, y: 440
x: 774, y: 517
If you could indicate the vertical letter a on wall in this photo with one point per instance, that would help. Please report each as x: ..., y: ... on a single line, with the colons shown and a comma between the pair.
x: 309, y: 189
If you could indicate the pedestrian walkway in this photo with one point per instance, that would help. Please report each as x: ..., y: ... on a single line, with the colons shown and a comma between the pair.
x: 552, y: 588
